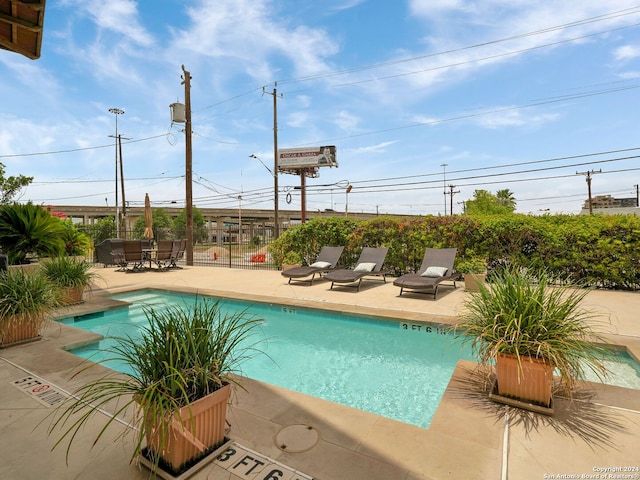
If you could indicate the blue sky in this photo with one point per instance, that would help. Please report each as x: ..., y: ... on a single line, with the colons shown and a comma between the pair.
x: 514, y: 95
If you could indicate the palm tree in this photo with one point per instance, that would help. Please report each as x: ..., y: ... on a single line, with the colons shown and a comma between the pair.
x: 28, y: 229
x: 506, y: 199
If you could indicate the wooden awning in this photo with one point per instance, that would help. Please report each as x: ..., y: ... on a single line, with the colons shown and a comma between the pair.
x: 21, y: 26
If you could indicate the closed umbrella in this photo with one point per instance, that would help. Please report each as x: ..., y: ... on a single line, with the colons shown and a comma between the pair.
x: 148, y: 218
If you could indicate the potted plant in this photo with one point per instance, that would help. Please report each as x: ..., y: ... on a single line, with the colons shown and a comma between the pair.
x: 26, y: 302
x: 181, y: 371
x: 291, y: 260
x: 475, y: 272
x: 531, y: 328
x: 71, y: 274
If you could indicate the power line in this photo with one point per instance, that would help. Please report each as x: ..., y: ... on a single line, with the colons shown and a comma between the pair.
x: 599, y: 18
x: 489, y: 57
x: 517, y: 164
x: 72, y: 150
x: 479, y: 114
x: 607, y: 16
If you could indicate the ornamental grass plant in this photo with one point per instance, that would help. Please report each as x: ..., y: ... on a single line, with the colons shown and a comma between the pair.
x: 526, y: 314
x: 69, y: 272
x: 26, y: 302
x: 185, y: 353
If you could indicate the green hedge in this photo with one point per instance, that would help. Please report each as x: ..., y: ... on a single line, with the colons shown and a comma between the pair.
x: 602, y: 251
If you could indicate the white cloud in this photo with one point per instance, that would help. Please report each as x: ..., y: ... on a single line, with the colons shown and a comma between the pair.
x: 120, y: 16
x: 513, y: 118
x: 630, y: 75
x: 249, y: 32
x: 380, y: 147
x: 346, y: 121
x: 297, y: 119
x: 626, y: 52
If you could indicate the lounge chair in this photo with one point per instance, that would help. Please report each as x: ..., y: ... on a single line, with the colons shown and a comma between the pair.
x: 369, y: 264
x: 437, y: 266
x: 325, y: 262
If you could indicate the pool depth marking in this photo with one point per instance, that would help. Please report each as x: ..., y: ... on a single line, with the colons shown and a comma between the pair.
x: 40, y: 390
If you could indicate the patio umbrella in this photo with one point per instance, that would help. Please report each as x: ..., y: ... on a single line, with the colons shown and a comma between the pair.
x: 148, y: 218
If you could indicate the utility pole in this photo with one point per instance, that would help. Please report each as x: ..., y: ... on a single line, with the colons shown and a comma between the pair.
x: 276, y: 220
x: 186, y: 81
x: 444, y: 186
x: 637, y: 196
x: 123, y: 212
x: 451, y: 194
x: 116, y: 112
x: 588, y: 175
x: 303, y: 195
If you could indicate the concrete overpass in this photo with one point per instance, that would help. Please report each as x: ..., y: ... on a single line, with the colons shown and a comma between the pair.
x: 88, y: 215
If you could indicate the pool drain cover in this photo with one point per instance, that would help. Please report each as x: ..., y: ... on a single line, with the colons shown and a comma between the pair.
x: 297, y: 438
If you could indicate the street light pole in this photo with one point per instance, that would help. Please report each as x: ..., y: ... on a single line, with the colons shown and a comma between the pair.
x: 346, y: 200
x: 274, y: 174
x: 116, y: 112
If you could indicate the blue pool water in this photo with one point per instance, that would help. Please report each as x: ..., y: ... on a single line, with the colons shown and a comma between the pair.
x: 396, y: 369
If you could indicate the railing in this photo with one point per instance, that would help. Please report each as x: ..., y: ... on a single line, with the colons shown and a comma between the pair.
x: 217, y: 247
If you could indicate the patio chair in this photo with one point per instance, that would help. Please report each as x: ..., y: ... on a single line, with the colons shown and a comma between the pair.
x: 369, y: 264
x: 325, y: 262
x: 437, y: 266
x: 163, y: 254
x: 132, y: 253
x: 177, y: 252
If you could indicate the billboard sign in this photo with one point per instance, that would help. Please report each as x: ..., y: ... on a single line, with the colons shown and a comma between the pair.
x: 309, y: 157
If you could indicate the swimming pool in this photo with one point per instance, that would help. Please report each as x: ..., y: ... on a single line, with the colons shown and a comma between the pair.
x: 395, y: 369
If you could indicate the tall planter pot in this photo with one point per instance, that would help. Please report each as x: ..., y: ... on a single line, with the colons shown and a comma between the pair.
x: 530, y: 380
x: 197, y: 429
x: 26, y: 302
x: 72, y: 295
x: 20, y: 328
x: 472, y: 281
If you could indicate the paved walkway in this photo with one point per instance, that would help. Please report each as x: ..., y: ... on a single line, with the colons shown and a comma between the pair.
x: 469, y: 437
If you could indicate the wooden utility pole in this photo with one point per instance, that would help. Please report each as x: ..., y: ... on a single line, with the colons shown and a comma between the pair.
x: 116, y: 112
x: 124, y: 205
x: 186, y: 81
x: 444, y: 186
x: 303, y: 195
x: 588, y: 175
x: 276, y: 220
x: 451, y: 194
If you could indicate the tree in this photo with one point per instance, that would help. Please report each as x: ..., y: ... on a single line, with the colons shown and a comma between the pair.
x: 485, y: 203
x: 161, y: 224
x: 29, y: 230
x: 101, y: 230
x: 76, y: 242
x: 506, y: 199
x: 10, y: 186
x: 199, y: 230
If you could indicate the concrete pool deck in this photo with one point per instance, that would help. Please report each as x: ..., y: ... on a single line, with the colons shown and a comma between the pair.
x: 469, y: 437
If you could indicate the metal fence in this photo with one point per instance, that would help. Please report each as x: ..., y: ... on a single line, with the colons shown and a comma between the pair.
x: 230, y: 246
